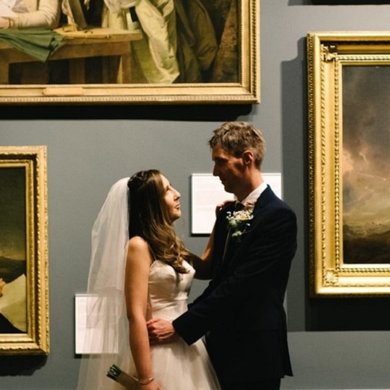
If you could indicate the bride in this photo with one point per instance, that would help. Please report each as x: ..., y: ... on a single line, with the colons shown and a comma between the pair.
x: 139, y: 268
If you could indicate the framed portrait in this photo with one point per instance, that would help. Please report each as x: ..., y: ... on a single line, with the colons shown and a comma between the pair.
x: 24, y: 310
x: 349, y: 163
x: 190, y: 52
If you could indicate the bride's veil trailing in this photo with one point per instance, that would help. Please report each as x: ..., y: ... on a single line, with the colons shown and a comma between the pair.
x: 107, y: 325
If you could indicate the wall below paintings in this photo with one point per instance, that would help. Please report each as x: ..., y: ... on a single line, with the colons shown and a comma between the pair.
x: 85, y: 156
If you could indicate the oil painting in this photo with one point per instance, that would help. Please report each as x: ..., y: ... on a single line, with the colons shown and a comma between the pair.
x: 111, y: 51
x: 366, y: 165
x: 349, y: 163
x: 12, y: 251
x: 24, y: 307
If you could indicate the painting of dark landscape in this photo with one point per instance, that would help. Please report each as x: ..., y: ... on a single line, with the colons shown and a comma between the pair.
x: 12, y: 250
x: 366, y: 164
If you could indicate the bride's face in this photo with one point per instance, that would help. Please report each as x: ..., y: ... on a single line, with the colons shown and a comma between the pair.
x: 171, y: 199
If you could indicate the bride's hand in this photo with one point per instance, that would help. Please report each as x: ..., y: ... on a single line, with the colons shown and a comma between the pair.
x: 222, y: 205
x: 151, y: 386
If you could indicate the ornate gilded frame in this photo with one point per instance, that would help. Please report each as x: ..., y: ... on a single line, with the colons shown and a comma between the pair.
x: 29, y: 163
x: 329, y: 54
x: 245, y: 91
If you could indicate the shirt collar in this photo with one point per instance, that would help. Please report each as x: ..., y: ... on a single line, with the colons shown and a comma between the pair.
x: 254, y: 195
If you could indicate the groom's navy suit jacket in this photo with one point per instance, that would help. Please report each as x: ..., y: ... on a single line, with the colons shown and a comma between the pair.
x: 241, y: 311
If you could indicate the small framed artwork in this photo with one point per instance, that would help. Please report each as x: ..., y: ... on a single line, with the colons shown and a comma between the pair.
x: 207, y: 192
x: 349, y: 163
x: 24, y: 308
x: 196, y: 52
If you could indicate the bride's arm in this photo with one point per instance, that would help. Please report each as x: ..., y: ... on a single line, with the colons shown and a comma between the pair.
x: 136, y: 293
x: 203, y: 264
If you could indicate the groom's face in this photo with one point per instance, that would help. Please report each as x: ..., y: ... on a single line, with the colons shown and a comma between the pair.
x: 228, y: 168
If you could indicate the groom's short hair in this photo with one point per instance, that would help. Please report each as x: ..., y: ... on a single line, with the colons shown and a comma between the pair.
x: 236, y: 137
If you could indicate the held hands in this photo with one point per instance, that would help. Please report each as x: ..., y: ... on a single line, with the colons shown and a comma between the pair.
x: 160, y: 331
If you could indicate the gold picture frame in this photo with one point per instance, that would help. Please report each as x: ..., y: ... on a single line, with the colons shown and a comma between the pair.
x: 348, y: 155
x: 24, y: 306
x: 245, y: 89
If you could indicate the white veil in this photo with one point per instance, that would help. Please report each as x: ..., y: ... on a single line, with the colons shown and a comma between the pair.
x: 106, y: 309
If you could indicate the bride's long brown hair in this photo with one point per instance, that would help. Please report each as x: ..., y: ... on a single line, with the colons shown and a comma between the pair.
x: 149, y: 219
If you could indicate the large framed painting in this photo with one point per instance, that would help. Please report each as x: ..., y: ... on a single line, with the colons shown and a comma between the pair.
x: 171, y: 52
x: 24, y: 311
x: 349, y: 2
x: 349, y: 163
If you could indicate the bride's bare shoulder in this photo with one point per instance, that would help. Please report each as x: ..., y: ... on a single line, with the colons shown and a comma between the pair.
x: 139, y: 257
x: 137, y: 246
x: 138, y: 243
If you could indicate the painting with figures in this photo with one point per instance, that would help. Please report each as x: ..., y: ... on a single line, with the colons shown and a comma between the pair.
x: 196, y: 51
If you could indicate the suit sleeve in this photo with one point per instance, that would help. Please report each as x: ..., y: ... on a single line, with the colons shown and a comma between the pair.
x: 273, y: 241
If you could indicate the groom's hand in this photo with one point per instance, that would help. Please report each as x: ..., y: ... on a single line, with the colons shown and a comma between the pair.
x: 160, y: 331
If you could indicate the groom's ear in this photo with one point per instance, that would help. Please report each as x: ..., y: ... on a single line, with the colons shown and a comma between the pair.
x: 248, y: 157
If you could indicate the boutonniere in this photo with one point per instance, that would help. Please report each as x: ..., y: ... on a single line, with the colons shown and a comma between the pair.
x: 239, y: 221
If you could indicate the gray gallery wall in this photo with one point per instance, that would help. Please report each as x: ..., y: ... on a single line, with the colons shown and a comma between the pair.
x: 85, y: 156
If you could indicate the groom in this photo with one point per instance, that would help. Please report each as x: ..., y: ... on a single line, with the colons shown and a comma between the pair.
x: 241, y: 311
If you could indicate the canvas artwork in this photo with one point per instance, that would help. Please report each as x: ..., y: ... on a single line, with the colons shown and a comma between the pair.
x: 12, y: 251
x: 113, y: 51
x: 348, y: 2
x: 24, y: 307
x: 349, y: 163
x: 366, y: 164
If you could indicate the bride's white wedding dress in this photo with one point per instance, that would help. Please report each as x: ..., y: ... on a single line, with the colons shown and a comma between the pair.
x: 177, y: 366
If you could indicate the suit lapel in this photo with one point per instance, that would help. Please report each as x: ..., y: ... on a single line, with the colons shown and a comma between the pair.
x: 221, y: 232
x: 239, y: 249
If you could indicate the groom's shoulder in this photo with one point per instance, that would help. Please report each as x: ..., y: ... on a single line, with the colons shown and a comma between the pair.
x: 270, y: 200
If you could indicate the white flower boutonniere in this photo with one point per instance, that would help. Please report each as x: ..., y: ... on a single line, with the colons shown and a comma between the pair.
x: 239, y: 221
